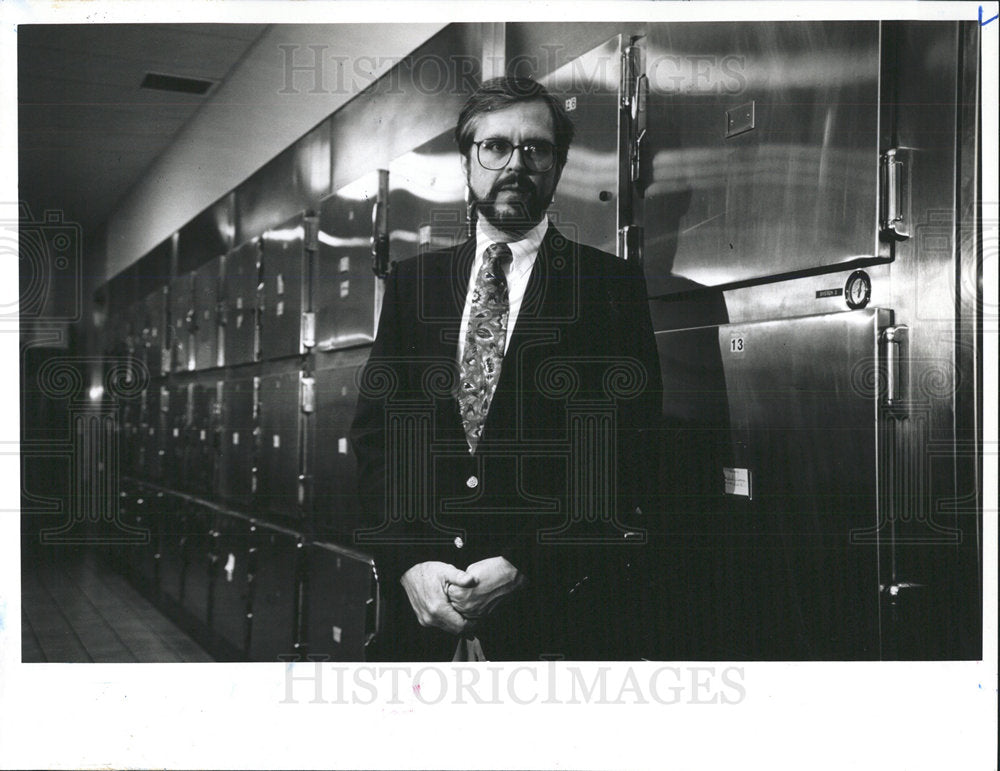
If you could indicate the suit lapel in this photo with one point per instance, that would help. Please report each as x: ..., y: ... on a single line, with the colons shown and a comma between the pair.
x: 549, y: 288
x: 445, y: 281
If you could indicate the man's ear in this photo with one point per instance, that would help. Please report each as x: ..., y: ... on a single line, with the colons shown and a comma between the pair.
x: 465, y: 167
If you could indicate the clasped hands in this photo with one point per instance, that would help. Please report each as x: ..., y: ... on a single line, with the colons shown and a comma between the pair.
x: 451, y: 599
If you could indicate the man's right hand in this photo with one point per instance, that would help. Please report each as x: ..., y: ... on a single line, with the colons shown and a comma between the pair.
x: 425, y: 586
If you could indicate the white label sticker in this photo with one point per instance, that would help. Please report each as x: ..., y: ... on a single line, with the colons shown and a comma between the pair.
x: 736, y: 344
x: 571, y: 104
x: 201, y: 434
x: 177, y: 432
x: 236, y: 437
x: 738, y: 481
x: 239, y: 303
x: 276, y: 441
x: 425, y: 234
x: 281, y: 283
x: 345, y: 264
x: 337, y: 634
x: 342, y: 445
x: 345, y: 288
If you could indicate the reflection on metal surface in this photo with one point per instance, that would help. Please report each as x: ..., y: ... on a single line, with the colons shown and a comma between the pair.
x: 206, y: 301
x: 154, y: 332
x: 207, y: 235
x: 283, y: 263
x: 336, y: 603
x: 274, y: 567
x: 336, y: 508
x: 239, y: 315
x: 426, y: 198
x: 433, y: 177
x: 286, y: 235
x: 799, y: 191
x: 198, y: 559
x: 414, y: 101
x: 237, y: 441
x: 280, y: 428
x: 362, y: 189
x: 203, y: 438
x: 796, y: 402
x: 290, y: 183
x: 803, y: 397
x: 585, y: 207
x: 231, y: 583
x: 345, y: 292
x: 182, y: 318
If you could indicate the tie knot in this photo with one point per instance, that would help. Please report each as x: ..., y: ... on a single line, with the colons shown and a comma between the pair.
x: 496, y: 256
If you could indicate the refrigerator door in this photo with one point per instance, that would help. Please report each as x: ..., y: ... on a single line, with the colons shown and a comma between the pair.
x: 778, y: 549
x: 237, y: 441
x: 230, y: 583
x: 340, y: 598
x: 761, y: 154
x: 275, y: 564
x: 285, y: 272
x: 280, y: 490
x: 206, y: 299
x: 345, y: 291
x: 239, y: 316
x: 427, y: 207
x: 153, y: 334
x: 585, y: 207
x: 335, y: 504
x: 183, y: 322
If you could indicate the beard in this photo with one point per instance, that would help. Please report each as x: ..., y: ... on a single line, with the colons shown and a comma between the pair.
x: 513, y: 205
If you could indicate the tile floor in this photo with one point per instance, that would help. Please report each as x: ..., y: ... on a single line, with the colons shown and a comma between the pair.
x: 75, y: 608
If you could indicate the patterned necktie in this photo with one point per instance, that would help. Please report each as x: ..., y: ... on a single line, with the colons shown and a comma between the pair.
x: 479, y: 369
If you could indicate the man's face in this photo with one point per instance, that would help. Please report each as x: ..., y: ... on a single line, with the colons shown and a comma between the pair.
x: 512, y: 199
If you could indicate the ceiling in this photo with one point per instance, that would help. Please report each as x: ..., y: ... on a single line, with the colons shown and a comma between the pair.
x: 87, y: 131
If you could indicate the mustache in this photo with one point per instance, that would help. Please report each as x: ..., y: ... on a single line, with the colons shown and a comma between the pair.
x: 521, y: 184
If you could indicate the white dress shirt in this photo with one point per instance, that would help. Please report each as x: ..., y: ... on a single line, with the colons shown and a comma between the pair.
x: 518, y: 271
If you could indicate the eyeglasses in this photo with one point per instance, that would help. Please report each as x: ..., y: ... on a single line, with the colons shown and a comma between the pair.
x: 495, y: 154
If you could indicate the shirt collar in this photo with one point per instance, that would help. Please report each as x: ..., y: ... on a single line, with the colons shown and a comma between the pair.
x: 523, y: 252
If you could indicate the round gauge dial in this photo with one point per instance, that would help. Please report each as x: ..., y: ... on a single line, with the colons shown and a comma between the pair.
x: 858, y: 290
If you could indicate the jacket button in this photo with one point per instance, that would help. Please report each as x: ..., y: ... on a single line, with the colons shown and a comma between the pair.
x: 472, y: 481
x: 459, y: 543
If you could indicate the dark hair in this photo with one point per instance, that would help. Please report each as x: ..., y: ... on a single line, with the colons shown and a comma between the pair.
x: 499, y: 93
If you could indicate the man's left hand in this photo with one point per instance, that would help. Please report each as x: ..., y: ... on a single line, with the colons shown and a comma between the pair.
x: 497, y: 578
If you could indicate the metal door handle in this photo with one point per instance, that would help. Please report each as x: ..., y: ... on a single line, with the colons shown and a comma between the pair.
x: 894, y: 338
x: 894, y: 194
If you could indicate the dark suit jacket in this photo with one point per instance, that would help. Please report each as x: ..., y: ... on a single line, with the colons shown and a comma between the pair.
x: 558, y: 473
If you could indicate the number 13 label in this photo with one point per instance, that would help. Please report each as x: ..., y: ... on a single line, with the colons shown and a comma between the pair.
x: 736, y: 345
